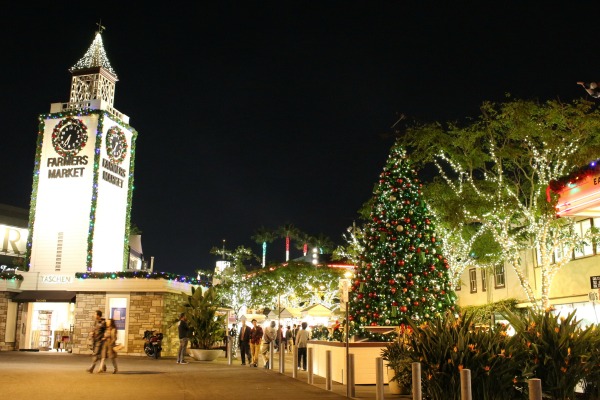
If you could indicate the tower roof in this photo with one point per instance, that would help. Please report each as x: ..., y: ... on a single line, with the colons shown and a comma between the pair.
x: 95, y: 57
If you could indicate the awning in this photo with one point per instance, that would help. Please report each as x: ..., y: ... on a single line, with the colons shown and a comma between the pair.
x: 47, y: 296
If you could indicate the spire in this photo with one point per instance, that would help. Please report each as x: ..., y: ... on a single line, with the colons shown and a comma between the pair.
x: 95, y: 56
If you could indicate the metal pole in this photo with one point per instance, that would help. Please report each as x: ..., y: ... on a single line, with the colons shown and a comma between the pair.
x: 535, y: 389
x: 348, y: 380
x: 310, y: 365
x: 328, y: 370
x: 416, y: 381
x: 351, y: 392
x: 271, y: 353
x: 379, y: 378
x: 281, y: 358
x: 465, y: 384
x: 294, y: 361
x: 229, y: 355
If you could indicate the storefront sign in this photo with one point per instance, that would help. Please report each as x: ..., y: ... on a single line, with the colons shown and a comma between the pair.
x: 579, y: 198
x: 119, y: 314
x: 13, y: 240
x: 56, y: 279
x: 595, y: 281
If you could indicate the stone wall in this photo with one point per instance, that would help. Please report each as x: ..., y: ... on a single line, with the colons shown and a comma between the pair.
x: 153, y: 311
x: 4, y: 298
x: 84, y: 315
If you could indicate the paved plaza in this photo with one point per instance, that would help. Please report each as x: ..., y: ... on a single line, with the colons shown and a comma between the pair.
x: 52, y: 375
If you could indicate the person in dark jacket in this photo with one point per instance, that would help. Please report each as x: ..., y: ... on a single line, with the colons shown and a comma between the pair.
x: 97, y: 339
x: 244, y: 343
x: 184, y: 335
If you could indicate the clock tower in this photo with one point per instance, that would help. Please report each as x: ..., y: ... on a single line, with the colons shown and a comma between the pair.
x: 83, y: 176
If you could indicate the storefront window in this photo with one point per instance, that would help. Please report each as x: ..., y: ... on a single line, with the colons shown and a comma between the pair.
x: 118, y: 310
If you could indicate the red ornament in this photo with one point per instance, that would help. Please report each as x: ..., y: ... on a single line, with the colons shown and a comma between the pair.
x: 416, y: 303
x: 393, y: 290
x: 392, y: 282
x: 373, y: 323
x: 433, y: 239
x: 403, y: 309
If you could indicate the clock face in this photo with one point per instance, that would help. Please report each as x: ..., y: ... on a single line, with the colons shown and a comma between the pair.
x: 69, y: 136
x: 116, y: 145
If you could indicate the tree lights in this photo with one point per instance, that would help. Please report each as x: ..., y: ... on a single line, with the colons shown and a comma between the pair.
x: 402, y: 273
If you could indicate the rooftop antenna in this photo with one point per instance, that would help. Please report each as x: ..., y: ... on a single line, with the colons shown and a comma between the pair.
x: 100, y: 27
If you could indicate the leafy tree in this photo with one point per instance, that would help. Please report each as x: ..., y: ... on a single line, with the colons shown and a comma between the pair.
x: 263, y: 236
x: 294, y: 284
x: 497, y: 170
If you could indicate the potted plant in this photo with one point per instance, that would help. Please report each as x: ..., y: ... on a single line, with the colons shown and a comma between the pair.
x: 398, y: 360
x: 206, y: 323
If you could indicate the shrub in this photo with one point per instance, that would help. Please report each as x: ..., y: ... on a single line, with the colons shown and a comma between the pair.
x: 447, y: 345
x: 561, y: 353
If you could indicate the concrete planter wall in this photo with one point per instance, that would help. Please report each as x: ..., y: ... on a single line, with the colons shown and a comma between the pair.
x: 365, y: 355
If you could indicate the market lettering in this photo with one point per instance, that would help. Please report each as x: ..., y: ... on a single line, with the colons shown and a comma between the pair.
x: 597, y: 181
x: 65, y: 173
x: 112, y: 179
x: 67, y: 161
x: 112, y: 167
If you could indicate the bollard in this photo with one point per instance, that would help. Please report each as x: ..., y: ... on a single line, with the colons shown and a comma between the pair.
x: 350, y: 390
x: 294, y: 361
x: 328, y: 370
x: 416, y: 381
x: 465, y: 384
x: 281, y: 359
x: 309, y: 356
x: 271, y: 353
x: 229, y: 355
x: 535, y: 389
x: 379, y: 378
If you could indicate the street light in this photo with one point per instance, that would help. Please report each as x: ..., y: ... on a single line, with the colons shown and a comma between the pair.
x: 344, y: 288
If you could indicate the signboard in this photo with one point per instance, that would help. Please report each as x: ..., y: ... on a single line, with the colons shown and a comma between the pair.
x: 595, y: 282
x: 118, y: 314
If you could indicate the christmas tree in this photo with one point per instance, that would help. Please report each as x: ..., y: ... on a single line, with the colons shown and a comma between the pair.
x: 402, y: 274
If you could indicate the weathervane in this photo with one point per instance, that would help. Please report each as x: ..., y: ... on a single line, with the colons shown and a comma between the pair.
x: 592, y: 88
x: 100, y: 27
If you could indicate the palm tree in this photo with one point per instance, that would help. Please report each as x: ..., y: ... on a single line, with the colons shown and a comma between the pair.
x: 264, y: 236
x: 288, y: 232
x: 323, y: 243
x: 302, y: 242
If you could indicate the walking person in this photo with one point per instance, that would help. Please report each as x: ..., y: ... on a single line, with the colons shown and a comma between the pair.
x: 281, y: 339
x: 108, y: 347
x: 256, y: 335
x: 302, y: 338
x: 97, y: 335
x: 269, y: 336
x: 244, y: 343
x: 289, y: 340
x: 184, y: 336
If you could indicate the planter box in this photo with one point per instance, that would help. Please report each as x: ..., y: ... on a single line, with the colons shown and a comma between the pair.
x: 365, y: 355
x: 205, y: 355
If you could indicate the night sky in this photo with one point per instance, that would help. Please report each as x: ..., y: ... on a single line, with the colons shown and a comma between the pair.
x: 261, y: 113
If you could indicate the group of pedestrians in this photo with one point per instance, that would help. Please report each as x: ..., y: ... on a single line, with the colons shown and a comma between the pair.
x: 255, y: 342
x: 104, y: 338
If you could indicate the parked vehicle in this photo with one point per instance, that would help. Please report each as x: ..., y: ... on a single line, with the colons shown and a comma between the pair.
x: 152, y: 347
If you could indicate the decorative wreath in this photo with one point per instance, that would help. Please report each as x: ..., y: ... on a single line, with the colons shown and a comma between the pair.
x: 56, y: 136
x: 112, y: 132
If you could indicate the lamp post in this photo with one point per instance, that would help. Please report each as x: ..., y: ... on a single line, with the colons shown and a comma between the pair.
x: 344, y: 287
